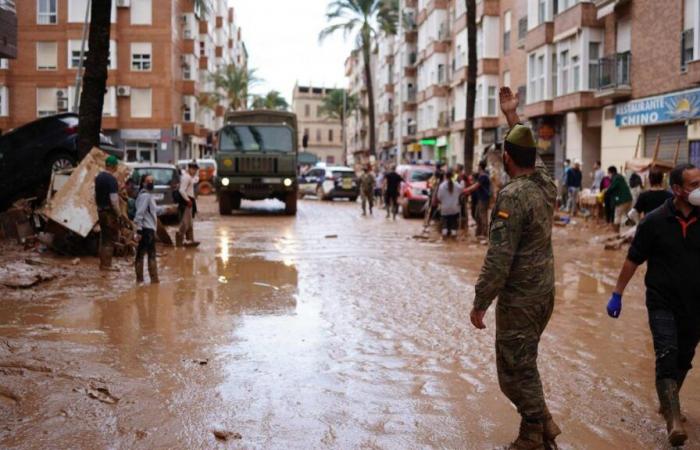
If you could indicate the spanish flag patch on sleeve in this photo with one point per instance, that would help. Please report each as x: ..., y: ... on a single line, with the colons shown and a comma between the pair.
x: 503, y: 214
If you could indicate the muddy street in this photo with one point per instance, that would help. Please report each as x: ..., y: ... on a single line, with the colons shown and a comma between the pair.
x: 328, y: 330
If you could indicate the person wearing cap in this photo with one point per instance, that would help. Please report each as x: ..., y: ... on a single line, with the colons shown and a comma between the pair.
x: 108, y: 210
x: 481, y: 191
x: 367, y: 183
x: 574, y: 178
x: 519, y: 270
x: 185, y: 236
x: 668, y: 241
x: 620, y: 197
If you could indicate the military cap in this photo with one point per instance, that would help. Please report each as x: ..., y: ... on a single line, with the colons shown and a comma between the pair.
x: 521, y: 136
x: 111, y: 161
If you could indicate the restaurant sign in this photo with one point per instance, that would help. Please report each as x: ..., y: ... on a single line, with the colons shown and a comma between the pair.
x: 674, y: 107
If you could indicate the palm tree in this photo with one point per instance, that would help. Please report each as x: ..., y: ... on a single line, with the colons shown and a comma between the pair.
x: 236, y: 82
x: 336, y: 105
x: 368, y: 18
x: 471, y: 85
x: 209, y: 100
x: 95, y: 78
x: 272, y: 100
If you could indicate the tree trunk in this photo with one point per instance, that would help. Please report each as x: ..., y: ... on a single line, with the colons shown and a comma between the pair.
x: 94, y: 78
x: 367, y: 55
x: 471, y: 85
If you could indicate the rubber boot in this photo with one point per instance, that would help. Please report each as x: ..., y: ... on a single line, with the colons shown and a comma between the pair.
x: 178, y: 239
x: 139, y: 270
x: 106, y: 253
x: 153, y: 270
x: 531, y: 437
x: 667, y: 389
x: 551, y: 431
x: 189, y: 237
x: 681, y: 380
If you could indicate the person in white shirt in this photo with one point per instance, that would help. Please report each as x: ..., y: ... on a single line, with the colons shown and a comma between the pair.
x: 185, y: 236
x: 448, y: 195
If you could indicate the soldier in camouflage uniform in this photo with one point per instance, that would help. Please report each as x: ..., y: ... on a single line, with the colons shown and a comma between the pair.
x: 519, y: 270
x: 367, y: 183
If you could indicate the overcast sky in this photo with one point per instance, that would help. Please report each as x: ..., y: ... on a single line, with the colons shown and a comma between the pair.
x: 282, y: 41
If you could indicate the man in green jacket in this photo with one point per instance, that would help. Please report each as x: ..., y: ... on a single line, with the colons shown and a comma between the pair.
x: 620, y: 195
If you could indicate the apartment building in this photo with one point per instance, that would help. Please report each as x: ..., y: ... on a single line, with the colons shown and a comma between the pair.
x: 357, y: 123
x: 324, y: 135
x: 161, y: 55
x: 8, y: 29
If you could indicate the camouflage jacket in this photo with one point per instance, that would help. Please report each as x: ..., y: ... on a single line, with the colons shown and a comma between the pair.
x: 519, y: 264
x: 367, y: 182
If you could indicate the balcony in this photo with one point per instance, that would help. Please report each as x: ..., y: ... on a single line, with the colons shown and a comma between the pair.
x: 575, y: 101
x: 612, y: 77
x: 203, y: 63
x: 188, y: 46
x: 537, y: 109
x: 487, y: 8
x: 203, y: 27
x: 543, y: 34
x: 581, y: 15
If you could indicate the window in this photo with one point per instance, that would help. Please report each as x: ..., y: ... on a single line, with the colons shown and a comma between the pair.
x: 477, y: 103
x: 141, y: 103
x: 532, y: 79
x: 4, y: 63
x: 46, y: 12
x: 540, y: 77
x: 576, y: 69
x: 186, y: 114
x: 46, y: 101
x: 141, y: 12
x: 492, y: 101
x: 506, y: 80
x: 318, y: 111
x: 46, y: 55
x: 506, y: 32
x: 541, y: 11
x: 330, y: 135
x: 4, y: 101
x: 77, y: 10
x: 141, y: 56
x: 564, y: 63
x: 479, y: 42
x: 74, y: 54
x: 318, y: 135
x: 593, y: 57
x: 307, y: 110
x: 554, y: 74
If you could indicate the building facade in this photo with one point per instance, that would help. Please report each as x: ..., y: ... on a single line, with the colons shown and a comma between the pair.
x: 324, y: 135
x: 8, y: 29
x: 162, y: 54
x: 598, y: 80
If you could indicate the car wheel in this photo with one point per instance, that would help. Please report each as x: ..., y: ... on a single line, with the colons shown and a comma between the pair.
x: 61, y: 161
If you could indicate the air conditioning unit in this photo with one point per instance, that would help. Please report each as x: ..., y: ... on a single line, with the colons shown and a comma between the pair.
x: 177, y: 130
x: 60, y: 93
x: 123, y: 3
x: 123, y: 91
x: 62, y: 104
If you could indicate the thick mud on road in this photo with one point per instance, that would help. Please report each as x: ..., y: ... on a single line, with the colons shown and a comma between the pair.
x: 325, y: 331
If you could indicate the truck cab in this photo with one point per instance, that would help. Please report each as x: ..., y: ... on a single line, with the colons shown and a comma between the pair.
x: 256, y: 155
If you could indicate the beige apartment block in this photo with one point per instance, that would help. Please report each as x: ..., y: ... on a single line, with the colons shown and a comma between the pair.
x: 324, y: 135
x: 162, y: 53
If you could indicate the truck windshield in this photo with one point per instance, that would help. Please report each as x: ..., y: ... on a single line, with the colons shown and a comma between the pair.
x: 256, y: 138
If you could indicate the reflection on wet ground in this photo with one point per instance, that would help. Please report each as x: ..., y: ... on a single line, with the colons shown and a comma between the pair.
x: 294, y: 340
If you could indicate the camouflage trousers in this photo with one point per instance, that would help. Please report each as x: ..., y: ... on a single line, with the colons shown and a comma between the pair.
x: 518, y: 331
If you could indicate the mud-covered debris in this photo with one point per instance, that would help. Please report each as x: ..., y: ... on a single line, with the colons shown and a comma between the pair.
x: 331, y: 236
x: 21, y: 275
x: 261, y: 284
x: 421, y: 237
x: 225, y: 435
x: 75, y: 261
x: 102, y: 394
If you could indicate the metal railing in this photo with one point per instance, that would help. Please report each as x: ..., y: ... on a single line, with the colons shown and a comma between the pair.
x: 613, y: 71
x: 522, y: 28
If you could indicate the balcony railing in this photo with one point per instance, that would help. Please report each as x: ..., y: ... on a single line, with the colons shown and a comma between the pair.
x: 613, y: 71
x: 522, y: 28
x: 687, y: 44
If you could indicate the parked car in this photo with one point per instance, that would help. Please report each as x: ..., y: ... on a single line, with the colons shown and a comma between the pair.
x: 166, y: 178
x: 207, y: 174
x: 30, y: 153
x: 415, y: 192
x: 331, y: 182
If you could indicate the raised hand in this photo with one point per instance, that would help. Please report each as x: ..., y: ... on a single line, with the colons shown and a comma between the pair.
x: 509, y: 101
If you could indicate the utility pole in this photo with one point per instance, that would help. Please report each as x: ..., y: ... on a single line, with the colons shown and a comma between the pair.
x: 79, y: 73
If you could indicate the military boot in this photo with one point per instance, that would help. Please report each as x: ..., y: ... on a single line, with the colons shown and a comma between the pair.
x: 667, y: 389
x: 178, y: 239
x: 531, y: 437
x: 153, y: 271
x: 139, y: 270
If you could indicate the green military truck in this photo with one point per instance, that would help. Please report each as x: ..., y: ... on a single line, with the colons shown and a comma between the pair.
x: 256, y: 154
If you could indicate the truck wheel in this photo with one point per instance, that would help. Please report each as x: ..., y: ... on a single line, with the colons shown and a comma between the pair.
x: 290, y: 204
x: 205, y: 188
x: 225, y: 204
x: 236, y: 201
x: 353, y: 199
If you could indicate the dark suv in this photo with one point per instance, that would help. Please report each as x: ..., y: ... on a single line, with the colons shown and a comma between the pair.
x: 30, y: 153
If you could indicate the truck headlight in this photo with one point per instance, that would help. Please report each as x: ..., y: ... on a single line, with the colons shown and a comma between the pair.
x: 225, y: 181
x: 288, y: 182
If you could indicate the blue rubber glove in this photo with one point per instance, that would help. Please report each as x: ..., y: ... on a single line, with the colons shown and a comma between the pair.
x: 615, y: 305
